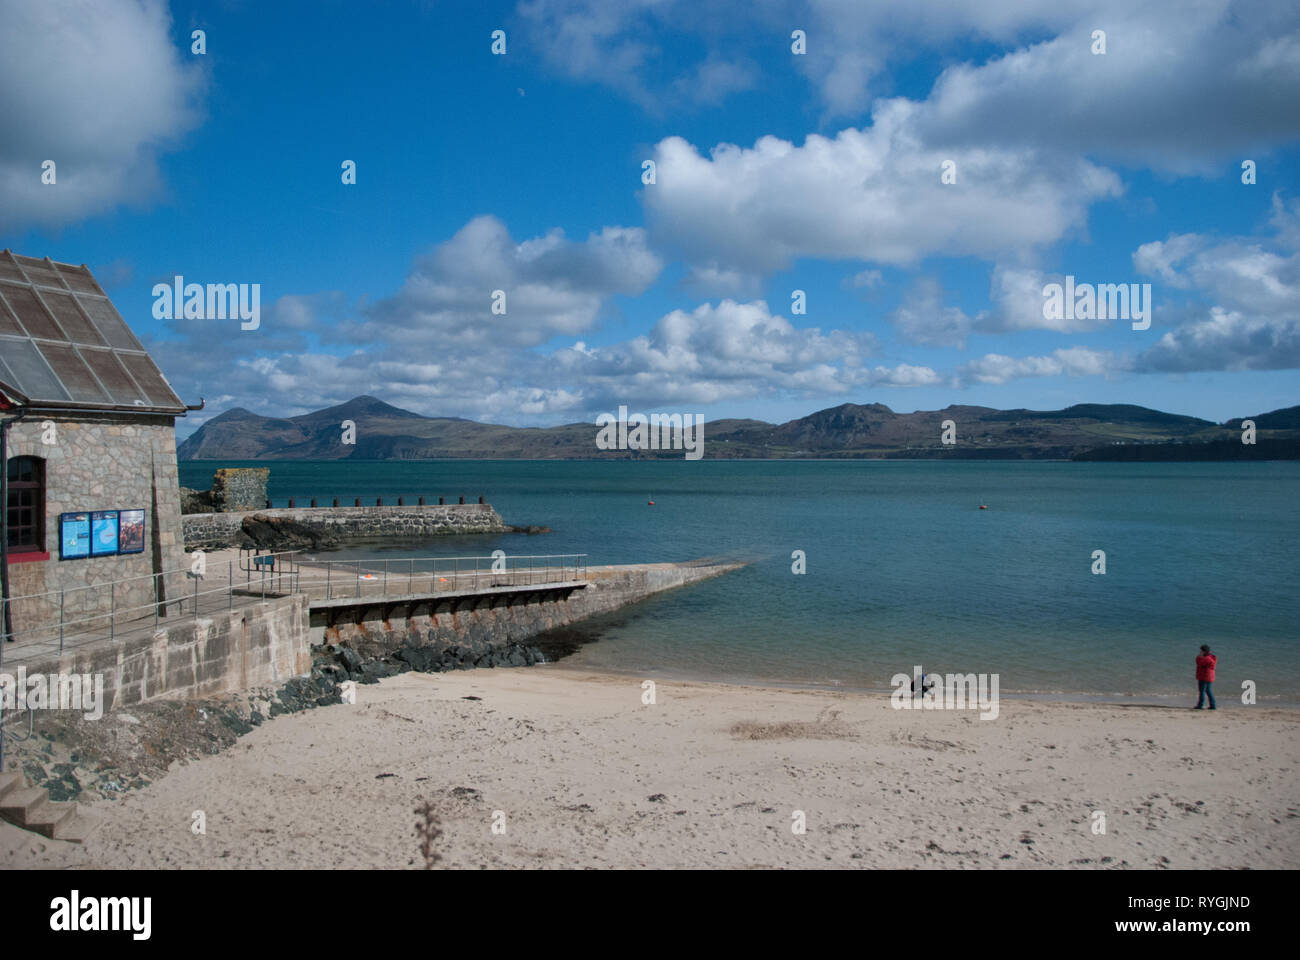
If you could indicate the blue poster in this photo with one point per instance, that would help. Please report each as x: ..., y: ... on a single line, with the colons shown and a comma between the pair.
x: 74, y: 534
x: 103, y: 533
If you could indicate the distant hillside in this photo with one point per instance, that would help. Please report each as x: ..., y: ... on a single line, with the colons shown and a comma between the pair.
x: 1084, y: 431
x: 1288, y: 418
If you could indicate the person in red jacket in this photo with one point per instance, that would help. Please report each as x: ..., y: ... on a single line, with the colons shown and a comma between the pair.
x: 1205, y: 665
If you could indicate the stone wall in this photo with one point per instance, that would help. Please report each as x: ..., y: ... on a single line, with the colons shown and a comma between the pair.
x: 483, y: 623
x: 214, y: 531
x: 267, y: 643
x: 259, y: 644
x: 100, y: 462
x: 239, y: 488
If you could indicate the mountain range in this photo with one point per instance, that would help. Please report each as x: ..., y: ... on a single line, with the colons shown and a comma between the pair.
x: 1088, y: 431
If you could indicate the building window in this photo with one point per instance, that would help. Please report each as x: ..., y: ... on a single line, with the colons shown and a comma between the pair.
x: 26, y: 507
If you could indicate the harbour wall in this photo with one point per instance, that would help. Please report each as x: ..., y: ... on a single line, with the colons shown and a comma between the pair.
x: 270, y: 642
x: 257, y: 644
x: 215, y: 531
x: 477, y: 623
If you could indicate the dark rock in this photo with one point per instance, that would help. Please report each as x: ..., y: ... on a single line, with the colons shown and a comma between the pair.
x: 423, y: 659
x: 281, y: 533
x: 323, y: 686
x: 348, y: 658
x: 236, y: 724
x: 196, y: 501
x: 334, y: 672
x: 372, y: 671
x: 62, y: 785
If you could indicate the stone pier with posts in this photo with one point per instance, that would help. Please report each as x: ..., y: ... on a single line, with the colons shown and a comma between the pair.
x: 215, y: 531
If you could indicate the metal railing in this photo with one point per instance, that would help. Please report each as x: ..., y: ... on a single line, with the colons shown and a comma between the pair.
x: 167, y: 600
x: 273, y: 573
x: 266, y: 575
x: 410, y: 576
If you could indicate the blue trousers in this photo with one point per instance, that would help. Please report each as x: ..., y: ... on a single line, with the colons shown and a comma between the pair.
x: 1206, y: 691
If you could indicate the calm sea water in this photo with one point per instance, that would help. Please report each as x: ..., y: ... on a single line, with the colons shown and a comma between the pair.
x: 902, y: 566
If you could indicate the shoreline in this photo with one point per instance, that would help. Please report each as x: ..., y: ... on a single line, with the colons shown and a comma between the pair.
x: 1145, y: 700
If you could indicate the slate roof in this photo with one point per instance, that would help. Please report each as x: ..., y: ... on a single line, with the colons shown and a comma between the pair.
x: 63, y: 344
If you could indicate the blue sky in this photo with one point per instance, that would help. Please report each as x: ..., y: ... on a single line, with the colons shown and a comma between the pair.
x: 775, y: 172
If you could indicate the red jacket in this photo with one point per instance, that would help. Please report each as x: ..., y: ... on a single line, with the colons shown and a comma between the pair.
x: 1205, y: 664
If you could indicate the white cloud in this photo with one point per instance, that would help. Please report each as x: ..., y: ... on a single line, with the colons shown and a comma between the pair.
x: 1160, y: 258
x: 1178, y: 91
x: 871, y: 195
x: 731, y: 350
x: 1248, y: 317
x: 100, y: 89
x: 552, y: 287
x: 1226, y: 340
x: 1017, y: 299
x: 904, y: 375
x: 922, y: 317
x: 864, y: 280
x: 996, y: 368
x: 435, y: 347
x: 1017, y: 296
x: 615, y: 44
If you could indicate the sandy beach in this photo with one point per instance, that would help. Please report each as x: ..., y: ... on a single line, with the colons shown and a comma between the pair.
x: 581, y: 773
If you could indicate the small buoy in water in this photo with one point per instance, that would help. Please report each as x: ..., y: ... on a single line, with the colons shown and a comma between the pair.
x: 650, y: 503
x: 367, y: 576
x: 984, y: 506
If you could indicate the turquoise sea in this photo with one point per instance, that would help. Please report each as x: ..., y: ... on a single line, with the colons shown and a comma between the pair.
x: 903, y: 567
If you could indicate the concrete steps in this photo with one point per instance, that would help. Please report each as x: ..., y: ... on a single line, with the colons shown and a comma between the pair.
x: 32, y: 809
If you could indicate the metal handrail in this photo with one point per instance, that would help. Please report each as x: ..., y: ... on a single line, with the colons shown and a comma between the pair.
x: 116, y: 614
x: 274, y: 569
x: 531, y: 570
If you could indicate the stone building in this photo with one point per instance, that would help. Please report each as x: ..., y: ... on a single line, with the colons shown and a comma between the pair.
x: 88, y: 423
